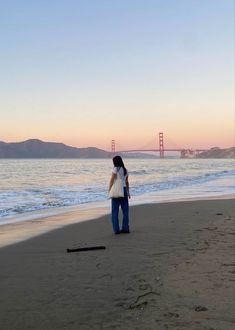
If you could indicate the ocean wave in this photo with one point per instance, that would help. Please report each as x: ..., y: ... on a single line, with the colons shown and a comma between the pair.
x: 43, y: 192
x: 182, y: 181
x: 140, y: 172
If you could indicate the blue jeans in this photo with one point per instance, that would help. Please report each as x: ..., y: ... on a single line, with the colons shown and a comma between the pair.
x: 116, y: 203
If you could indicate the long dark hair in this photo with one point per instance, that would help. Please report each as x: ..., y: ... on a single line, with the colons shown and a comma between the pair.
x: 118, y: 162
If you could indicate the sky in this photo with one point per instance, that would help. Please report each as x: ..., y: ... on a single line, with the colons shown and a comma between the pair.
x: 86, y: 72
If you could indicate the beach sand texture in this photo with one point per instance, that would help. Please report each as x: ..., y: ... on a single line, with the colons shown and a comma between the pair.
x: 176, y: 270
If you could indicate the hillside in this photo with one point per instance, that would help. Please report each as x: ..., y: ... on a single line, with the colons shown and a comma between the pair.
x: 38, y: 149
x: 35, y: 148
x: 218, y: 153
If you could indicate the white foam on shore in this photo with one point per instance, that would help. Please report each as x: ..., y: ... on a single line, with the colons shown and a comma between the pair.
x: 36, y: 223
x: 43, y: 186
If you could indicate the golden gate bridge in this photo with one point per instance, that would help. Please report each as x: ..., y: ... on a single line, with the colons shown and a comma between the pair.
x: 185, y: 153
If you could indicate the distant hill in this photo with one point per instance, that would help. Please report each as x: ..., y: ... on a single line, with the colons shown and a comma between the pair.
x: 218, y: 153
x: 34, y: 148
x: 38, y: 149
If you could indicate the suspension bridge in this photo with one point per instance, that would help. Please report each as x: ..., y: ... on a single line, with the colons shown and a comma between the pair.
x: 160, y: 148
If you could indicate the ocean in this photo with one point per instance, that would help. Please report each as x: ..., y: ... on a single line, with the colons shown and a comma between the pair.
x: 31, y: 185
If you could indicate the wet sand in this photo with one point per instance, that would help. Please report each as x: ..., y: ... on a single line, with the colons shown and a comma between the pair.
x: 176, y: 270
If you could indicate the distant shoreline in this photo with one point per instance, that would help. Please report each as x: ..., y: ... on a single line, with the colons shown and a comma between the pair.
x: 37, y: 149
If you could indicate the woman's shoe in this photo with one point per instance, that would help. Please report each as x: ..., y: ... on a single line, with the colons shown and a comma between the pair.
x: 125, y: 231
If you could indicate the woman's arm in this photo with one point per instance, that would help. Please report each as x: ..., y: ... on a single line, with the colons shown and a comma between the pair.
x: 127, y: 187
x: 113, y: 177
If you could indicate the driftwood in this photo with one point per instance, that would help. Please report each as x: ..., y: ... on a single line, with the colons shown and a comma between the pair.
x: 88, y: 248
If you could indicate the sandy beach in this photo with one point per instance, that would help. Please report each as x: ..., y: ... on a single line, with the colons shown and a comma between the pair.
x: 175, y: 270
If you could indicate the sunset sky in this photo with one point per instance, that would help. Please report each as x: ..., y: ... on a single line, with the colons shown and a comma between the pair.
x: 85, y: 72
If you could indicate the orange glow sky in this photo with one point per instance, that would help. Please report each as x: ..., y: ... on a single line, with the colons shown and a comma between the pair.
x: 92, y: 72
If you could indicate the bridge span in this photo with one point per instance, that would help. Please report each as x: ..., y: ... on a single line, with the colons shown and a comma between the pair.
x: 184, y: 152
x: 158, y: 150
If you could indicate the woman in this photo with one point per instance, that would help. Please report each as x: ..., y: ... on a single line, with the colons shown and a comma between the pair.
x: 120, y: 169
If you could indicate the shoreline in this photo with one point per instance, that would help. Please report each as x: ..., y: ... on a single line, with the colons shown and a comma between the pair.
x: 39, y: 223
x: 175, y: 270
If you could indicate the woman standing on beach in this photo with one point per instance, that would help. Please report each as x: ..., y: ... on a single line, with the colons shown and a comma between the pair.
x: 119, y: 169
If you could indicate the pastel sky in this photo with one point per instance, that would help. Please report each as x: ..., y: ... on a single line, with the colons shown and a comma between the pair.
x: 85, y: 72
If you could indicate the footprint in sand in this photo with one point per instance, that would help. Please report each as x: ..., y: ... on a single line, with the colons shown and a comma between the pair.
x: 211, y: 228
x: 171, y: 314
x: 143, y: 287
x: 199, y: 308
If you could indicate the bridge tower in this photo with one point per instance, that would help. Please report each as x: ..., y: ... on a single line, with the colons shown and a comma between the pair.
x: 113, y: 147
x: 161, y: 145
